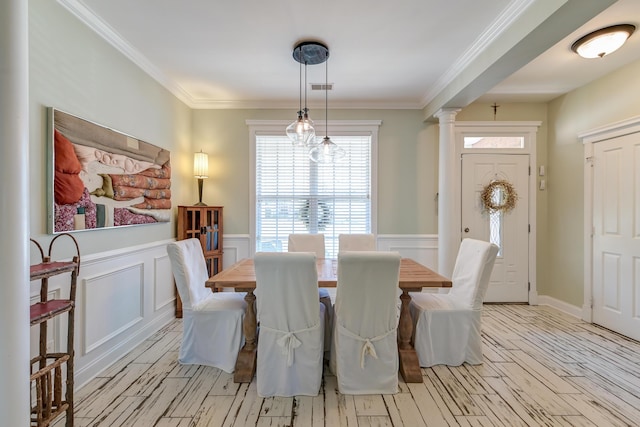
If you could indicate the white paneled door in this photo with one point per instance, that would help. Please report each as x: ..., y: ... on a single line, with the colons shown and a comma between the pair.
x: 509, y: 230
x: 616, y: 234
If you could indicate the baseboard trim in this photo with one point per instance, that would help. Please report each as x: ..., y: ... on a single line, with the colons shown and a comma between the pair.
x: 565, y: 307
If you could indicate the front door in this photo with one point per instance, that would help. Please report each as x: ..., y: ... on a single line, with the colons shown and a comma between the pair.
x: 508, y: 230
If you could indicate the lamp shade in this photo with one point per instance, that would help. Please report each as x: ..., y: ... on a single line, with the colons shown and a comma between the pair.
x: 201, y: 165
x: 301, y: 132
x: 603, y: 42
x: 326, y: 152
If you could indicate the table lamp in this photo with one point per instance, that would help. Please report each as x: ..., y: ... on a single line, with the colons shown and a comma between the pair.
x: 200, y: 171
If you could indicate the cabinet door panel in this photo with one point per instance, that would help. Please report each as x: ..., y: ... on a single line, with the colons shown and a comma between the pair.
x: 205, y: 224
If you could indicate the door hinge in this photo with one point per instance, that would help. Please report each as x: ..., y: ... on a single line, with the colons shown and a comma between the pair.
x: 529, y: 170
x: 591, y: 303
x: 528, y: 286
x: 529, y: 226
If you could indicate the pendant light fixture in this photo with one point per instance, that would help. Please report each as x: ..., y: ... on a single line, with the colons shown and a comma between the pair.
x: 327, y: 151
x: 301, y: 132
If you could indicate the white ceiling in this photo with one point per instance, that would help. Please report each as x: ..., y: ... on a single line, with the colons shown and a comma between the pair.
x: 559, y: 70
x: 401, y: 54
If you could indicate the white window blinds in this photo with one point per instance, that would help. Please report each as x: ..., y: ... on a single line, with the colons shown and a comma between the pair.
x: 296, y: 195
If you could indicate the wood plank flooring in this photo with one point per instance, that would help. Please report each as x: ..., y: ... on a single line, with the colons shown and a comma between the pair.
x: 542, y: 368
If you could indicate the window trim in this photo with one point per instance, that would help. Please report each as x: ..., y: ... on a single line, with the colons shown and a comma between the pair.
x: 342, y: 127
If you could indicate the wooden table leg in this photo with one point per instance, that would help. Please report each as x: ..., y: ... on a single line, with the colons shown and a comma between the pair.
x: 409, y: 364
x: 246, y: 362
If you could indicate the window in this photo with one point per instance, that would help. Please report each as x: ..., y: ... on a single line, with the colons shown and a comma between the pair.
x: 295, y: 195
x: 493, y: 142
x: 496, y: 222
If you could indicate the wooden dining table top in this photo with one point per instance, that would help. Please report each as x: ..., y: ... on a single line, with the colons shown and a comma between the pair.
x: 413, y: 276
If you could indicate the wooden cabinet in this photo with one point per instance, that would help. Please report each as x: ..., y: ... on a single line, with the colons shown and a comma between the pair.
x: 205, y: 224
x: 48, y: 368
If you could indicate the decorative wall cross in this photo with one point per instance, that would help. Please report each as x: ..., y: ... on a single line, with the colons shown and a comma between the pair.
x: 495, y: 110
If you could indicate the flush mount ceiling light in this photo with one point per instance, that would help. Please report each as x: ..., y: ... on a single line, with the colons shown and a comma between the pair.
x: 301, y: 131
x: 603, y: 41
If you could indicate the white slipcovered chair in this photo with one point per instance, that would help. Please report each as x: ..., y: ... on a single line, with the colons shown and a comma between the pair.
x: 315, y: 243
x: 307, y: 243
x: 356, y: 242
x: 447, y: 326
x: 291, y: 337
x: 211, y: 322
x: 364, y: 355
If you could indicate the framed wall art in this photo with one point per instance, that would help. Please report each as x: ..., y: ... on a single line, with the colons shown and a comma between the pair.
x: 102, y: 178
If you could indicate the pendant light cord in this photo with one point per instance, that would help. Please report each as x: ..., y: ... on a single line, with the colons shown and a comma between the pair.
x: 326, y: 99
x: 300, y: 87
x: 306, y: 110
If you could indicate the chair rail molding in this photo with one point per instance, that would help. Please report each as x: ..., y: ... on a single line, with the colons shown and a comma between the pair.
x: 420, y: 247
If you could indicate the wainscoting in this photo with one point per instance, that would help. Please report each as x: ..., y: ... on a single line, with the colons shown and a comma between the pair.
x: 420, y: 247
x: 123, y: 297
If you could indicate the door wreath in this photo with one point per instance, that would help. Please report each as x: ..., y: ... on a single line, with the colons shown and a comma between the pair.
x: 499, y: 196
x: 324, y: 214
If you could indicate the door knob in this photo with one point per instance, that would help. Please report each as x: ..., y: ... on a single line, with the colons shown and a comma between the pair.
x: 466, y: 230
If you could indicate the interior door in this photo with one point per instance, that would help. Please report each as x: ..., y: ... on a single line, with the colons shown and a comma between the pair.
x: 510, y: 230
x: 616, y: 232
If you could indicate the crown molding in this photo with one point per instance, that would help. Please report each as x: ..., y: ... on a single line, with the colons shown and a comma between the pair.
x: 490, y: 35
x: 89, y: 18
x: 100, y: 27
x: 291, y: 105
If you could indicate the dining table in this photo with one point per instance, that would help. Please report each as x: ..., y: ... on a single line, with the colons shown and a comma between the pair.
x: 413, y: 277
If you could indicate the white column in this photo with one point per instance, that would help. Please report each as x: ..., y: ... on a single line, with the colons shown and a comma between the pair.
x: 447, y: 193
x: 14, y: 208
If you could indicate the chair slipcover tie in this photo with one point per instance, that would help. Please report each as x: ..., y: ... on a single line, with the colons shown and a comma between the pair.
x: 367, y: 346
x: 288, y: 342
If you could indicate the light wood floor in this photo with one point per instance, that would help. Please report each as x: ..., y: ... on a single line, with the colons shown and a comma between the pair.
x: 542, y: 368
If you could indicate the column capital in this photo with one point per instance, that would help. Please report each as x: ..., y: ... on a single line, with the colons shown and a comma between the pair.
x: 447, y: 115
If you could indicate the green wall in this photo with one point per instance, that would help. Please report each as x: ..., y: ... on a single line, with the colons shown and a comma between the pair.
x: 407, y: 165
x: 560, y: 209
x: 72, y: 69
x: 607, y: 100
